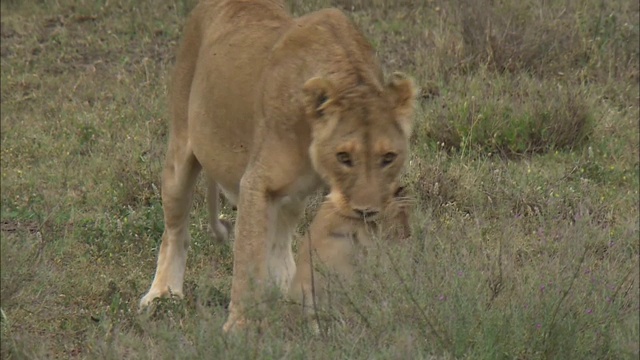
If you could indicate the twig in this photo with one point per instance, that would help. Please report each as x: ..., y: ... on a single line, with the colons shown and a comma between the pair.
x: 444, y: 340
x: 624, y: 279
x: 313, y: 288
x: 496, y: 286
x: 564, y: 296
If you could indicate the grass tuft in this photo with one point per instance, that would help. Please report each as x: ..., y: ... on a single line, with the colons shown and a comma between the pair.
x: 509, y: 117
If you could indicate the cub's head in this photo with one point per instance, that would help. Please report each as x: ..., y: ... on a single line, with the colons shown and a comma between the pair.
x: 360, y: 141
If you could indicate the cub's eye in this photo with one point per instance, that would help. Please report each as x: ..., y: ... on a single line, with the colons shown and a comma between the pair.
x: 344, y: 158
x: 388, y: 158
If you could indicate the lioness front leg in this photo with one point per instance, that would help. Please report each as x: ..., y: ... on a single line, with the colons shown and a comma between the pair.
x: 178, y: 180
x: 280, y: 262
x: 249, y: 249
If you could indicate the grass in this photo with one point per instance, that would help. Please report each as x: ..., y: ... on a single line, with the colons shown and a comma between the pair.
x: 525, y: 170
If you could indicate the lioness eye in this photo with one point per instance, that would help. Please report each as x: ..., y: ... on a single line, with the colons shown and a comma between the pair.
x: 388, y: 158
x: 344, y: 158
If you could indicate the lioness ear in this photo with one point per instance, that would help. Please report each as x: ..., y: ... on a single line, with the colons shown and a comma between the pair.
x: 318, y: 95
x: 403, y: 96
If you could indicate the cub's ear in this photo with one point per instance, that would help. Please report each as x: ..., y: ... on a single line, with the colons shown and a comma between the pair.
x: 403, y: 91
x: 319, y: 94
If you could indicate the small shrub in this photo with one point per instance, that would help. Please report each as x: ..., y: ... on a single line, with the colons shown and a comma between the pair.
x: 517, y: 117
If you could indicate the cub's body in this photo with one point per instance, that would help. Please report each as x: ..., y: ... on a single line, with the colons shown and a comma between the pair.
x: 334, y: 245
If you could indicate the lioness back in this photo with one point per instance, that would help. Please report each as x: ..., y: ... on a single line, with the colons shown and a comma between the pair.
x: 215, y: 81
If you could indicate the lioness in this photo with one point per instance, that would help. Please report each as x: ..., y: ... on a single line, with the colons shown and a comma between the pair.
x: 272, y: 107
x: 334, y: 243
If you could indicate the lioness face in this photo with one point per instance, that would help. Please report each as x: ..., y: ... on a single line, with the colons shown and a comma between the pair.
x: 360, y: 142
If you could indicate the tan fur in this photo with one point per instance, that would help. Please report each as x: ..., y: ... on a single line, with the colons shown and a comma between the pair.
x: 262, y: 102
x: 334, y: 243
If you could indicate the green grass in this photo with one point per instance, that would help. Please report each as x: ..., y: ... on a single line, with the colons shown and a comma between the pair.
x: 524, y: 168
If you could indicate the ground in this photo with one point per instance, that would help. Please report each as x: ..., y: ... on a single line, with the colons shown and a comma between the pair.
x: 524, y: 174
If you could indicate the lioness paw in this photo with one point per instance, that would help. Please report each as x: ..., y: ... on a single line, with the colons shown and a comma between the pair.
x: 148, y: 299
x: 234, y: 323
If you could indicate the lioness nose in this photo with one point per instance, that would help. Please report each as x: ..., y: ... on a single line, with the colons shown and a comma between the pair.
x: 366, y: 213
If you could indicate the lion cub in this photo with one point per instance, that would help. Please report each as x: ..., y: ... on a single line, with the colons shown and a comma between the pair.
x: 334, y: 242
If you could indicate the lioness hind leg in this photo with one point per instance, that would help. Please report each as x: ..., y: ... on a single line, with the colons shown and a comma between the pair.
x: 219, y: 228
x: 178, y: 180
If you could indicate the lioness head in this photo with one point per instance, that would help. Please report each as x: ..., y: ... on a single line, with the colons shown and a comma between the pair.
x: 360, y: 141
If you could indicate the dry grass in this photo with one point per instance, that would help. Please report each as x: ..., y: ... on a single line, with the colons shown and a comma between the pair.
x: 524, y: 167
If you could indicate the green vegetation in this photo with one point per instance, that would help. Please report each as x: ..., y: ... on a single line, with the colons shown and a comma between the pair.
x: 525, y: 174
